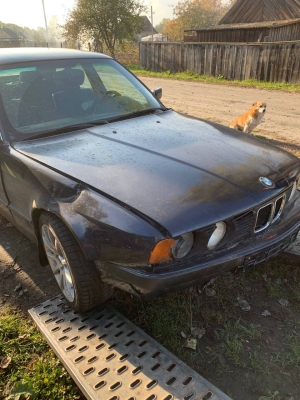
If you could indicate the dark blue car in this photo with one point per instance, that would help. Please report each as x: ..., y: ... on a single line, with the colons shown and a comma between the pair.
x: 119, y: 191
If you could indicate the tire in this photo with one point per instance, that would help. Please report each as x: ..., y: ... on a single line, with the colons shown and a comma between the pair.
x: 76, y: 276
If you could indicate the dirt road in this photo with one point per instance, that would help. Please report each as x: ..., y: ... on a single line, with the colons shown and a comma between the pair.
x: 222, y: 104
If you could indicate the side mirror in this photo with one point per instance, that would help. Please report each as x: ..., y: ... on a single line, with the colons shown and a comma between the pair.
x: 157, y: 92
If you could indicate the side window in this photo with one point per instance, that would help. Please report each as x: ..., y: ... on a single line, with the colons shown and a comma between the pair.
x: 13, y: 84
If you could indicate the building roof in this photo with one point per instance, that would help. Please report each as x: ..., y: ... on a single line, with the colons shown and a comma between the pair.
x: 146, y: 26
x: 6, y: 33
x: 252, y: 25
x: 247, y: 11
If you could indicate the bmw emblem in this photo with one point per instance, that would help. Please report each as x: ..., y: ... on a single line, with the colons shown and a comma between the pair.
x: 266, y: 182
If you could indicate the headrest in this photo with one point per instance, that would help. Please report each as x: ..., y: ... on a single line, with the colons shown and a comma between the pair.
x: 71, y: 77
x: 29, y: 76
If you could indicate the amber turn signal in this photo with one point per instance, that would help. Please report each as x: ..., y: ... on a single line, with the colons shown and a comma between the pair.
x: 162, y: 252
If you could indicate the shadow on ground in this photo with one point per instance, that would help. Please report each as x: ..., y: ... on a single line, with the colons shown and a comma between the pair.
x: 19, y: 265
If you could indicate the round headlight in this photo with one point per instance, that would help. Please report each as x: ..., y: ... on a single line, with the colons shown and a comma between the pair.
x: 183, y: 245
x: 217, y: 235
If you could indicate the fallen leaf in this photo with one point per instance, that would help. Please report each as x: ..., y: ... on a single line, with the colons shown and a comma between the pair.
x: 183, y: 335
x: 191, y: 343
x: 5, y: 362
x: 266, y: 313
x: 210, y: 292
x: 243, y: 304
x: 198, y: 332
x: 283, y: 302
x: 22, y: 390
x: 23, y: 336
x: 18, y: 287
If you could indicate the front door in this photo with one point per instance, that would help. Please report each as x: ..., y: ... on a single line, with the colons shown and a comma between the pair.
x: 4, y: 203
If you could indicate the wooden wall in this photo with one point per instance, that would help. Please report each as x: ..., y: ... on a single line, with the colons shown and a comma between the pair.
x: 231, y: 35
x: 244, y: 35
x: 274, y: 62
x: 287, y: 32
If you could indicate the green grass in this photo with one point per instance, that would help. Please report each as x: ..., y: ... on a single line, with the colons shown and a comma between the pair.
x: 34, y: 371
x: 191, y: 76
x: 290, y: 356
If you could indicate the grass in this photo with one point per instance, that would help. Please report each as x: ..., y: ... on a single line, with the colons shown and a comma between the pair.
x: 258, y: 351
x: 191, y: 76
x: 34, y: 372
x: 237, y: 346
x: 290, y: 356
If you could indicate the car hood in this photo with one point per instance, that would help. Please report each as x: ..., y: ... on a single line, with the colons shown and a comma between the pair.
x: 179, y: 171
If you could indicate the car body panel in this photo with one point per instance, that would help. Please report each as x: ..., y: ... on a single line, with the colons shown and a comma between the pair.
x: 98, y: 223
x: 179, y: 165
x: 33, y: 54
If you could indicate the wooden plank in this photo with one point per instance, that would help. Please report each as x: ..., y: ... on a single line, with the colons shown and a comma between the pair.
x: 253, y: 62
x: 249, y: 59
x: 281, y: 57
x: 264, y: 61
x: 286, y: 66
x: 295, y: 75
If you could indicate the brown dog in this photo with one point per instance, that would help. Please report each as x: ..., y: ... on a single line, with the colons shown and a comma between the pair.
x: 248, y: 121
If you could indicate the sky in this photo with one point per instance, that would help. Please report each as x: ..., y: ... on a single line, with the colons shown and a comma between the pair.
x: 30, y: 12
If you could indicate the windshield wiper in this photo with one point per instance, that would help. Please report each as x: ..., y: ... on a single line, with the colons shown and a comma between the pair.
x: 66, y: 129
x: 138, y: 113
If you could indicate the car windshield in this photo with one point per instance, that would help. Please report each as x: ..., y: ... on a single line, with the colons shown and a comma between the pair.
x: 50, y: 96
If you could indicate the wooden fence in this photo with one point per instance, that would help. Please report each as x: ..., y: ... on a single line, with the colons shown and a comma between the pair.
x: 271, y: 62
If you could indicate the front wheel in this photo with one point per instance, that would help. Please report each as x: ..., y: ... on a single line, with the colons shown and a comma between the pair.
x: 76, y: 276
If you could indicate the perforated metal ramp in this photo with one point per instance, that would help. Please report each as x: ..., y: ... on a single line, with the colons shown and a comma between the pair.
x: 110, y: 358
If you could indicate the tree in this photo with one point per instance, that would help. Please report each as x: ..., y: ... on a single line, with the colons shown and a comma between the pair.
x: 108, y: 21
x: 54, y: 29
x: 159, y: 27
x: 191, y: 14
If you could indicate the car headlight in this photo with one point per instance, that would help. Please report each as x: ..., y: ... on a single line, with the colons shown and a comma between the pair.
x: 183, y: 245
x: 217, y: 235
x: 168, y: 249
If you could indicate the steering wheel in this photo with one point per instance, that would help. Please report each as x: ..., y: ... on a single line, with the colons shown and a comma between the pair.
x: 99, y: 100
x: 112, y: 93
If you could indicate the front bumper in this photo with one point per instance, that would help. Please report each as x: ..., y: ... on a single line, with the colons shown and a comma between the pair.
x: 154, y: 282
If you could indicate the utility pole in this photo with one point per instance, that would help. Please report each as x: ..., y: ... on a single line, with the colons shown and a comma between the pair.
x: 47, y: 36
x: 152, y: 22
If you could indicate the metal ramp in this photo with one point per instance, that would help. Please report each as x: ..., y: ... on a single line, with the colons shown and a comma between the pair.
x: 110, y: 358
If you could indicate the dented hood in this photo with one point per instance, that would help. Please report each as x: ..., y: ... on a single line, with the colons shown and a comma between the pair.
x: 182, y: 172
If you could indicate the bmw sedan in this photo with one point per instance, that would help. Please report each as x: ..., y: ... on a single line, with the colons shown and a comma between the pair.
x: 119, y: 191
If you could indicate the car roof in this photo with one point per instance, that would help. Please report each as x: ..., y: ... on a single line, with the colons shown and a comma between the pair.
x: 25, y: 54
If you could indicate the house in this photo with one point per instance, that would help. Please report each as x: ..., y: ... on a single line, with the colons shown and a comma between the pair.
x: 253, y: 21
x: 9, y: 38
x: 146, y: 27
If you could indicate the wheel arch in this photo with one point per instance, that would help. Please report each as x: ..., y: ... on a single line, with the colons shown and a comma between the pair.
x: 36, y: 214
